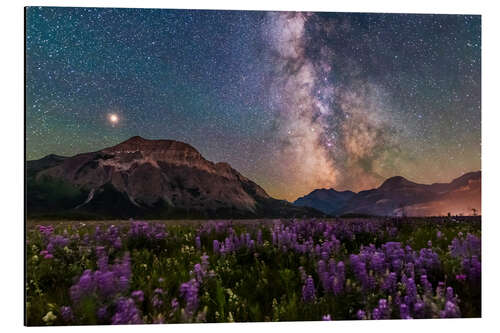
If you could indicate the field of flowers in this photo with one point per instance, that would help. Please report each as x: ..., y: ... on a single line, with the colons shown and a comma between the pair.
x: 270, y: 270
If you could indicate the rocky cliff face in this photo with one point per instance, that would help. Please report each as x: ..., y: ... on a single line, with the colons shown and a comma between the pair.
x: 162, y: 177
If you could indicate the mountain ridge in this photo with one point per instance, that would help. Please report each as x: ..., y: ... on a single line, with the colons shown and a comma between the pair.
x: 148, y: 178
x: 398, y: 196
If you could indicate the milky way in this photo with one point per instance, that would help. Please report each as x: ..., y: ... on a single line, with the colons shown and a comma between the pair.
x: 333, y: 134
x: 294, y: 101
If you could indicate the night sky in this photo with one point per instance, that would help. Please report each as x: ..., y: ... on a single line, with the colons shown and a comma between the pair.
x: 294, y: 101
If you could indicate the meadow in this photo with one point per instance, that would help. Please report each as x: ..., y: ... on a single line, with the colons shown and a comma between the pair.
x: 134, y: 272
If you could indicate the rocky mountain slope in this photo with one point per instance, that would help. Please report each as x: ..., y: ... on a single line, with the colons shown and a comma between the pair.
x: 150, y: 179
x: 398, y: 196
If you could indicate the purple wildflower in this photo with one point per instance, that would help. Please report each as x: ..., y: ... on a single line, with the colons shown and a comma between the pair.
x: 404, y: 311
x: 426, y: 285
x: 390, y: 282
x: 189, y: 291
x: 126, y: 313
x: 102, y: 313
x: 308, y: 292
x: 138, y: 295
x: 361, y: 315
x: 66, y: 313
x: 451, y: 310
x: 216, y: 246
x: 174, y: 304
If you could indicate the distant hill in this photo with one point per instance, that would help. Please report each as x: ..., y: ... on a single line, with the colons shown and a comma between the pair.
x: 398, y: 196
x: 328, y: 201
x: 142, y: 178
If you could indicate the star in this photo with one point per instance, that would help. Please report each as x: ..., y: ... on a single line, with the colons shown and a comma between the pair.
x: 113, y: 118
x: 337, y: 100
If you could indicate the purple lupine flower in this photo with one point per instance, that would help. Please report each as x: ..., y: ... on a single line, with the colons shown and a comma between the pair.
x: 468, y: 247
x: 102, y: 258
x: 376, y: 314
x: 426, y: 285
x: 361, y: 315
x: 84, y: 286
x: 308, y: 292
x: 204, y: 261
x: 126, y: 313
x: 46, y: 230
x: 472, y: 268
x: 411, y: 290
x: 157, y: 302
x: 390, y: 283
x: 360, y: 272
x: 451, y: 310
x: 106, y: 283
x: 440, y: 289
x: 427, y: 259
x: 377, y: 262
x: 404, y: 311
x: 456, y: 248
x: 449, y: 294
x: 103, y: 283
x: 198, y: 272
x: 197, y: 242
x: 339, y: 279
x: 323, y: 274
x: 216, y: 246
x: 159, y: 235
x: 384, y: 310
x: 259, y: 237
x: 57, y: 242
x: 66, y: 313
x: 174, y: 304
x: 418, y: 309
x: 473, y: 245
x: 461, y: 277
x: 189, y: 291
x: 117, y: 243
x: 138, y: 295
x: 327, y: 317
x: 397, y: 264
x: 140, y: 231
x: 102, y: 313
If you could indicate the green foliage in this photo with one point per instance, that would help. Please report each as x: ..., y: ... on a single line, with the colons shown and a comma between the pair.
x: 260, y: 284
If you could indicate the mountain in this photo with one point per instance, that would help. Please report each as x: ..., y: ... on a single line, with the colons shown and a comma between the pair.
x: 398, y: 196
x: 143, y: 178
x: 328, y: 201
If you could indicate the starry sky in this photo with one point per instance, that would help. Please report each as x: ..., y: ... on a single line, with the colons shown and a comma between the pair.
x: 294, y: 101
